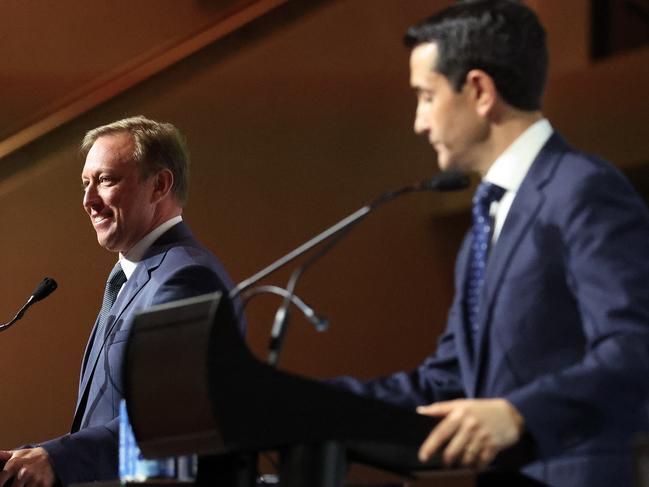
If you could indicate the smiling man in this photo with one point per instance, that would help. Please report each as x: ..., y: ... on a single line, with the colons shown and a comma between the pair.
x: 135, y: 182
x: 122, y: 204
x: 547, y: 340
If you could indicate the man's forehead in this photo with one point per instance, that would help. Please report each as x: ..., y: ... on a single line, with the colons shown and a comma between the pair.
x: 118, y: 143
x: 426, y: 50
x: 115, y: 148
x: 423, y: 59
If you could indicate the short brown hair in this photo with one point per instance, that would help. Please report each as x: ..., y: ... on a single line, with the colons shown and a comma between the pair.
x: 157, y: 146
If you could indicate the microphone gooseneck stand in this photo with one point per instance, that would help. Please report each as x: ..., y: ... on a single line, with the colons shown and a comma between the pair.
x: 319, y: 322
x: 322, y: 464
x: 444, y: 181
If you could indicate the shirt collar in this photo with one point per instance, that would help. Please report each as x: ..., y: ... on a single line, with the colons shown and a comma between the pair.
x: 511, y: 167
x: 130, y: 260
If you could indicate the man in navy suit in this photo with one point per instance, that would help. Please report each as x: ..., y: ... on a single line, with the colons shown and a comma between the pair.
x: 547, y: 340
x: 135, y: 185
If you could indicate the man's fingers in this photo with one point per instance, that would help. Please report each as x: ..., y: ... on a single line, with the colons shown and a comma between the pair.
x: 21, y: 478
x: 444, y: 430
x: 4, y: 476
x: 457, y: 446
x: 28, y: 468
x: 465, y: 445
x: 471, y: 432
x: 471, y: 455
x: 426, y: 450
x: 436, y: 408
x: 485, y: 457
x: 5, y: 455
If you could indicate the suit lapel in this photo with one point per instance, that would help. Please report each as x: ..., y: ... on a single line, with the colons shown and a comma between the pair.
x: 132, y: 287
x: 135, y: 284
x: 522, y: 214
x: 153, y: 257
x: 463, y: 338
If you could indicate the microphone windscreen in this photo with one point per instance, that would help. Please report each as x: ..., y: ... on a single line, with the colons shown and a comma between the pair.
x: 44, y: 289
x: 448, y: 181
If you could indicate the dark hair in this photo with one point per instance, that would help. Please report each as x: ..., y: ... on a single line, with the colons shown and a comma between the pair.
x: 504, y: 38
x: 157, y: 146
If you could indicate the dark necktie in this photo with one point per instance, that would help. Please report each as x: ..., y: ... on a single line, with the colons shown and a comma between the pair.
x: 481, y: 232
x: 116, y: 279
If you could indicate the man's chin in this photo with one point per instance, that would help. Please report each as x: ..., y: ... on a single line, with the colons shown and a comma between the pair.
x: 448, y: 164
x: 107, y: 243
x: 445, y: 164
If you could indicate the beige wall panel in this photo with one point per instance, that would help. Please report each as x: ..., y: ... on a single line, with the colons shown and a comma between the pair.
x: 288, y: 133
x: 291, y: 128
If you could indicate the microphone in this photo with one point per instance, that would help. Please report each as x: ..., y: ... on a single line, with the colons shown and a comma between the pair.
x: 443, y: 181
x: 43, y: 290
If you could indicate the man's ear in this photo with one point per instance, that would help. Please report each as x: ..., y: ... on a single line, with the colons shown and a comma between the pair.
x: 162, y: 183
x: 482, y: 90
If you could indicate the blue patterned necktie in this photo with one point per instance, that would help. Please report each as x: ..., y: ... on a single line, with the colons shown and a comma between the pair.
x: 481, y: 231
x: 114, y: 283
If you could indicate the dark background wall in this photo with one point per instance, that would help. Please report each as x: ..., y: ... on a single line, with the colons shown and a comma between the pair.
x: 293, y: 123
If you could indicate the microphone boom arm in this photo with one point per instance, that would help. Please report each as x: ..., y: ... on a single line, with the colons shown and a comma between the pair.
x: 329, y: 232
x: 444, y: 181
x: 19, y: 315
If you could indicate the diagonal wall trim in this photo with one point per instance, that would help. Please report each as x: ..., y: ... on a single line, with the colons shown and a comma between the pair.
x: 132, y: 73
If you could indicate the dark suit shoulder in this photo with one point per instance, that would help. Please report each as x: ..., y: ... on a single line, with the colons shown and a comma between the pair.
x: 569, y: 177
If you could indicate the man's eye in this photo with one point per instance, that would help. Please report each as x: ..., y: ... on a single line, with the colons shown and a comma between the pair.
x: 104, y: 179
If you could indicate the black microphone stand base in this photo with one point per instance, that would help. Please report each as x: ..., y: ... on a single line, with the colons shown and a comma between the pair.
x: 314, y: 465
x: 230, y: 470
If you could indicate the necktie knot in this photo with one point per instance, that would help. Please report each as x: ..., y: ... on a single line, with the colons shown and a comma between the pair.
x: 487, y: 193
x: 116, y: 278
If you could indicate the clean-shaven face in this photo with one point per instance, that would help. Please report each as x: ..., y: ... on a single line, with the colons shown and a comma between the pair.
x: 119, y: 202
x: 447, y: 117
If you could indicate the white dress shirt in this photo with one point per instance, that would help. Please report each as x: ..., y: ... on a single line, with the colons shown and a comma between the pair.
x: 130, y: 260
x: 511, y: 167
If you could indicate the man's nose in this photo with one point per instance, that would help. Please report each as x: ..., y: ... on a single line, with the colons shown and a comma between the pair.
x: 90, y: 197
x: 421, y: 124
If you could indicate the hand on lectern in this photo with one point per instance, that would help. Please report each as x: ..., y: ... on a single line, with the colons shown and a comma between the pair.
x: 30, y: 467
x: 472, y: 431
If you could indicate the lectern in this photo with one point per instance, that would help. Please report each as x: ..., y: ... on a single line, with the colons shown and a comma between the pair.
x: 193, y: 386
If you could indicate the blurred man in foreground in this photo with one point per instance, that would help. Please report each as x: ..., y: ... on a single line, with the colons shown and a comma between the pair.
x: 547, y: 341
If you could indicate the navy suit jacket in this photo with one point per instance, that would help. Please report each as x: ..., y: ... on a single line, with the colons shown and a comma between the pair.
x: 175, y: 267
x: 564, y: 324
